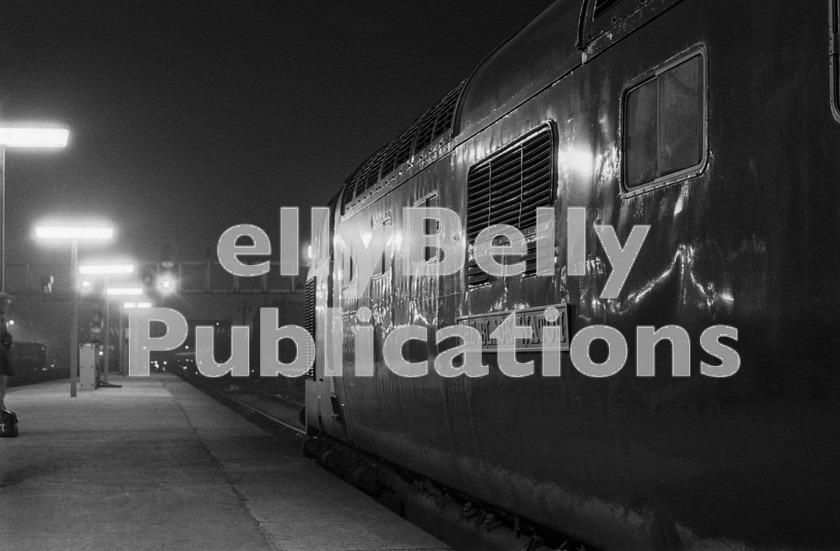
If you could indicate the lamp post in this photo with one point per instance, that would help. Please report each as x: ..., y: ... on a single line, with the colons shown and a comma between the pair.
x: 107, y: 270
x: 29, y: 138
x: 74, y: 234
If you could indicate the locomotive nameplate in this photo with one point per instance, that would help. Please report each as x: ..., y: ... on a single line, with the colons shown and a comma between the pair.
x: 486, y: 324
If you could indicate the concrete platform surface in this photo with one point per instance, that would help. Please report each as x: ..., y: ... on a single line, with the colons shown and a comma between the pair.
x: 158, y: 465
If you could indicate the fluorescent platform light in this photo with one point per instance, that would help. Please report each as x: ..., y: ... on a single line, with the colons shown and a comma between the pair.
x: 106, y: 269
x: 124, y: 291
x: 53, y: 138
x: 132, y: 305
x: 69, y: 232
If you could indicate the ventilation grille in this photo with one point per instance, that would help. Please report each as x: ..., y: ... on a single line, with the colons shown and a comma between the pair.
x: 309, y: 316
x: 507, y: 189
x: 424, y: 132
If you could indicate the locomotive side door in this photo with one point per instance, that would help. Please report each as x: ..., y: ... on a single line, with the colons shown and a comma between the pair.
x: 323, y: 411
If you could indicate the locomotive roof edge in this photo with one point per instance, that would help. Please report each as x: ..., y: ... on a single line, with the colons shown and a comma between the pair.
x: 522, y: 65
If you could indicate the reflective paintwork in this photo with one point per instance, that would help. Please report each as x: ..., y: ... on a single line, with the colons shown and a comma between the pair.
x: 751, y: 241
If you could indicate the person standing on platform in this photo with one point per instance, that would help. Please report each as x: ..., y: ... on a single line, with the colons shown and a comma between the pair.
x: 5, y: 349
x: 5, y: 352
x: 5, y: 364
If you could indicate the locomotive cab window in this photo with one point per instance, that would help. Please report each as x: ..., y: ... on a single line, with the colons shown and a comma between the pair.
x: 664, y: 137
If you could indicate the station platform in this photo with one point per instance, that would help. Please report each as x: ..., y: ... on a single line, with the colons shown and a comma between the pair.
x: 159, y: 465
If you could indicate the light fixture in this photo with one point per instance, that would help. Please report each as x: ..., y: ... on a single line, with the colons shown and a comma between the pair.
x: 133, y: 305
x: 124, y: 291
x: 74, y: 232
x: 106, y: 269
x: 50, y: 138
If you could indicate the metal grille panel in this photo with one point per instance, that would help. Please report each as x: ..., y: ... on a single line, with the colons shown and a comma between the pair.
x: 433, y: 124
x: 507, y: 189
x: 309, y: 315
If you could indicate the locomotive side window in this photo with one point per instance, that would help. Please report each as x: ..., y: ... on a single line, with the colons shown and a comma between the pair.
x: 602, y: 6
x: 383, y: 226
x: 430, y: 225
x: 664, y: 135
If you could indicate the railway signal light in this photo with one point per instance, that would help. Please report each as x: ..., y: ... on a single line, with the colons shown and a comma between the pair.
x: 166, y: 284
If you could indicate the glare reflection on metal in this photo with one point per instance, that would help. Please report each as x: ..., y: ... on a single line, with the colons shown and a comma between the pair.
x: 578, y: 161
x: 396, y: 240
x: 678, y: 208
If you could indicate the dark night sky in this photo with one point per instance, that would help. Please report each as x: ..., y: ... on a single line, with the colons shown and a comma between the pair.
x: 187, y: 117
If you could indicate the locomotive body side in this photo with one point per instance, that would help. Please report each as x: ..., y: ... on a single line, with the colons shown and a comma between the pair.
x: 746, y: 236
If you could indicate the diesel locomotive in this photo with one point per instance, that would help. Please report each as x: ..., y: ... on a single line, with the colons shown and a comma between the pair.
x: 715, y: 124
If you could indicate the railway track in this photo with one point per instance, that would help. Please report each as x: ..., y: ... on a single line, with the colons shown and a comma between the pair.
x: 275, y: 410
x: 458, y: 520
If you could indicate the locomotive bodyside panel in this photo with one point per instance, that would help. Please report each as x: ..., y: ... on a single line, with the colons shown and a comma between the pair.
x: 748, y: 239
